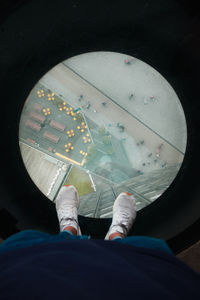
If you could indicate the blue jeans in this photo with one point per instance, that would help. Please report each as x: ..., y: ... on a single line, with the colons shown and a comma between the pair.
x: 32, y: 237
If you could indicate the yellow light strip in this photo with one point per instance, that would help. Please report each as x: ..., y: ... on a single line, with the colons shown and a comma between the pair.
x: 65, y: 157
x: 83, y: 162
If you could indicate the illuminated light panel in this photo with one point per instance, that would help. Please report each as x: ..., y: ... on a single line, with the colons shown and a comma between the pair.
x: 67, y: 158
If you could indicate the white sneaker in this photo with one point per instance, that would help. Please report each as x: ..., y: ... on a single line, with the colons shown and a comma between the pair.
x: 124, y: 214
x: 67, y: 204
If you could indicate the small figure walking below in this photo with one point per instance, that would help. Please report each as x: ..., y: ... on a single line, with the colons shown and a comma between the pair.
x: 164, y: 165
x: 152, y: 98
x: 128, y: 61
x: 88, y: 105
x: 80, y: 98
x: 159, y: 149
x: 131, y: 97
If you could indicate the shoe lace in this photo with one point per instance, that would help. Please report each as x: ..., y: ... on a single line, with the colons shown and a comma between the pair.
x: 125, y: 216
x: 124, y: 223
x: 67, y: 212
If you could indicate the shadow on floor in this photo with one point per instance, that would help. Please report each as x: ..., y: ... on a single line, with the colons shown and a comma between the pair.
x: 191, y: 256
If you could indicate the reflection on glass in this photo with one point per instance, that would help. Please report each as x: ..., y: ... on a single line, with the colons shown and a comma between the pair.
x: 106, y: 123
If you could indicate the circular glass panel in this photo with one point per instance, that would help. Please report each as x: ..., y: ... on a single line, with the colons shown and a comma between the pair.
x: 105, y: 123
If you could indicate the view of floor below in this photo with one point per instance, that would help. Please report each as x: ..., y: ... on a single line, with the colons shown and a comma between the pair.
x: 75, y: 130
x: 97, y: 194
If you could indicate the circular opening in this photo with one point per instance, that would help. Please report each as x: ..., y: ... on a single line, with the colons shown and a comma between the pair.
x: 104, y: 122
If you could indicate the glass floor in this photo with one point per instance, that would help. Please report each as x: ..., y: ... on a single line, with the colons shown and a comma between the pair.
x: 106, y: 123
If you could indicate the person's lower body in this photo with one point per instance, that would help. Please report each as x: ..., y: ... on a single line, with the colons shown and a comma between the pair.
x: 124, y: 215
x: 67, y: 204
